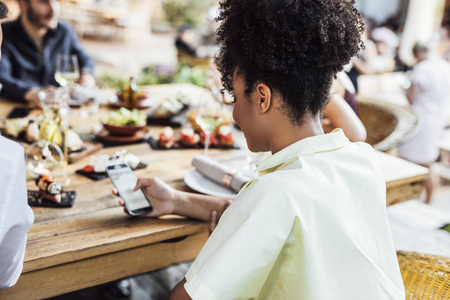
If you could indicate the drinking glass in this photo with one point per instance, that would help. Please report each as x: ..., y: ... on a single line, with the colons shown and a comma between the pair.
x: 52, y: 102
x: 209, y: 116
x: 67, y: 70
x: 52, y: 128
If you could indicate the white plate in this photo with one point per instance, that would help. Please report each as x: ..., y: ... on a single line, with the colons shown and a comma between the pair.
x: 196, y: 181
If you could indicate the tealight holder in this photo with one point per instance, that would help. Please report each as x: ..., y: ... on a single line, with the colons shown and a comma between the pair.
x: 42, y: 157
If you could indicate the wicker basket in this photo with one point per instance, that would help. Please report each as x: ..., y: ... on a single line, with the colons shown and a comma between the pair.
x: 388, y: 125
x: 425, y: 276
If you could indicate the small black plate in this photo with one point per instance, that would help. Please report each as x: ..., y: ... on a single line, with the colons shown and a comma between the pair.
x: 103, y: 175
x: 67, y: 199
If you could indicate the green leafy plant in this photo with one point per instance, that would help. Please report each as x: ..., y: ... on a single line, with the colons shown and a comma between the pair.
x: 157, y: 75
x: 180, y: 12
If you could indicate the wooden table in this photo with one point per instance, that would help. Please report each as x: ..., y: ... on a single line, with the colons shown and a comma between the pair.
x: 95, y: 242
x: 404, y: 180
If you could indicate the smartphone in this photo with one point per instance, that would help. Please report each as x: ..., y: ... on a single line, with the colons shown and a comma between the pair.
x: 125, y: 181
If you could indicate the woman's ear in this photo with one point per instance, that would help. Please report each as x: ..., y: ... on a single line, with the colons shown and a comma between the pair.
x: 264, y: 97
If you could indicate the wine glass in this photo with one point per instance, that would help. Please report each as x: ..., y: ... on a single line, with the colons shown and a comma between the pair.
x: 209, y: 116
x: 67, y: 70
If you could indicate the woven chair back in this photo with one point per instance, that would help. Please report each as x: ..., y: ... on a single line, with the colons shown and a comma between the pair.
x: 426, y: 277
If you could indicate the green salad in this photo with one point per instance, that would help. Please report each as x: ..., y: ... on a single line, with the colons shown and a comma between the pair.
x: 124, y: 116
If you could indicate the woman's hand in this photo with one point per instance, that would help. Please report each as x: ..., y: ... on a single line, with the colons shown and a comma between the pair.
x: 166, y: 200
x: 160, y: 195
x: 213, y: 219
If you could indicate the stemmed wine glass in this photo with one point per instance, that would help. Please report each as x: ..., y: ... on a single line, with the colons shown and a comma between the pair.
x: 67, y: 70
x: 209, y: 116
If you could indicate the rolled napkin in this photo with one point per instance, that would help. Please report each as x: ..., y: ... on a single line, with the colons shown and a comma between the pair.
x: 220, y: 173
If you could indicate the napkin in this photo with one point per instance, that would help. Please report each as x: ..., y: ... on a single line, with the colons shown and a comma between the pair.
x: 220, y: 173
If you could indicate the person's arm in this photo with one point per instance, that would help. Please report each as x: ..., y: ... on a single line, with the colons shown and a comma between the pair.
x: 165, y: 200
x: 13, y: 88
x: 411, y: 93
x: 341, y: 115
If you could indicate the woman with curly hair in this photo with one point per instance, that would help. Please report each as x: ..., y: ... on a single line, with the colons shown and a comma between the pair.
x: 313, y: 225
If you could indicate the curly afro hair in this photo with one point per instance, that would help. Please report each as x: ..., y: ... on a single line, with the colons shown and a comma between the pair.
x: 296, y: 47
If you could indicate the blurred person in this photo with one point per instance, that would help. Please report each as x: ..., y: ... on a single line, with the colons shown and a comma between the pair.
x: 30, y: 51
x: 313, y: 225
x: 428, y: 95
x: 185, y: 41
x: 362, y: 63
x: 385, y: 34
x: 189, y: 44
x: 16, y: 217
x: 344, y: 87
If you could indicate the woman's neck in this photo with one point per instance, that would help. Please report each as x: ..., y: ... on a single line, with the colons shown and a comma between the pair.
x: 286, y: 133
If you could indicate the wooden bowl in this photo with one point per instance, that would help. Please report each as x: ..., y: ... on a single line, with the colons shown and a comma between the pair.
x: 125, y: 130
x: 388, y: 125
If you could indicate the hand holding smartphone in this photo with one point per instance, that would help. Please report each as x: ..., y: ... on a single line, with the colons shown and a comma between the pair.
x: 125, y: 181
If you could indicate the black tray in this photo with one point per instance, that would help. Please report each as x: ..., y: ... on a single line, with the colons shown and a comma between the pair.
x: 103, y: 175
x: 36, y: 199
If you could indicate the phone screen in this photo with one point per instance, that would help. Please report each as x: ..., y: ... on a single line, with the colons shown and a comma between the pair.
x: 124, y: 180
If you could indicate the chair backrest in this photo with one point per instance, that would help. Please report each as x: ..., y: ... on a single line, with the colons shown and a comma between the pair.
x: 425, y: 276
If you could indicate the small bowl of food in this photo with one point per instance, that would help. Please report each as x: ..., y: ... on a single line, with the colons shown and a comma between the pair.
x: 142, y: 95
x: 124, y: 122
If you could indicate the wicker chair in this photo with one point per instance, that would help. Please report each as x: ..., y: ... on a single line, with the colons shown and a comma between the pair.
x: 388, y: 125
x: 426, y: 277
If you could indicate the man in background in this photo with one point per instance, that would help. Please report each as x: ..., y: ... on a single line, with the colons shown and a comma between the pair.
x: 32, y: 44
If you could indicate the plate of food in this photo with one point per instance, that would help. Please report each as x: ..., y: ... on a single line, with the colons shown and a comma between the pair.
x: 34, y: 127
x: 96, y: 169
x: 167, y: 110
x: 142, y: 102
x: 122, y: 126
x: 187, y: 138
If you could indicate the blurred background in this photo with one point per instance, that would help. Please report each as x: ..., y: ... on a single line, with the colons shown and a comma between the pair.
x: 173, y: 41
x: 129, y: 36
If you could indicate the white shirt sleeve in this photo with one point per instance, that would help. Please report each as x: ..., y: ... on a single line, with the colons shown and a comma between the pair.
x: 16, y: 216
x: 239, y: 255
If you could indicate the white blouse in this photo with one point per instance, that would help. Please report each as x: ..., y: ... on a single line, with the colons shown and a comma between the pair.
x: 16, y: 217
